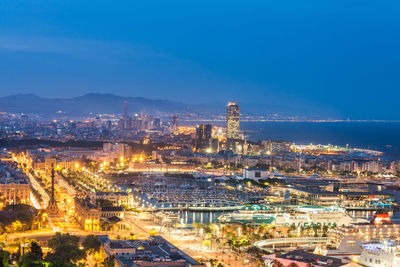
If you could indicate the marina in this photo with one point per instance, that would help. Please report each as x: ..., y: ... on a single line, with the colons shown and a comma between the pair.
x: 169, y: 194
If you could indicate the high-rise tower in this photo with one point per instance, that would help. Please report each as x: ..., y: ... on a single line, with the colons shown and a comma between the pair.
x: 232, y: 120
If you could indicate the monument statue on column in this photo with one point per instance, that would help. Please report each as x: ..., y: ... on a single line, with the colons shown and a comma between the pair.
x: 52, y: 208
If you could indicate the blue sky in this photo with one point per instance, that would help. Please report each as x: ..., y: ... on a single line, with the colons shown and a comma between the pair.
x: 339, y: 55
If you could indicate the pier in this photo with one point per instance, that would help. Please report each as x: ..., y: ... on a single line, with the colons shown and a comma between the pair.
x: 203, y: 205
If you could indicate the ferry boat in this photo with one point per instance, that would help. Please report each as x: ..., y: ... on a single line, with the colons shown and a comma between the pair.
x: 247, y: 218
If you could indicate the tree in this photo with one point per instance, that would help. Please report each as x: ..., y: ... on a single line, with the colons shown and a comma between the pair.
x: 207, y: 243
x: 33, y: 258
x: 198, y: 226
x: 91, y: 244
x: 213, y: 262
x: 65, y: 249
x: 21, y: 215
x: 108, y: 262
x: 60, y: 239
x: 36, y: 252
x: 4, y: 258
x: 325, y: 229
x: 62, y: 264
x: 28, y: 262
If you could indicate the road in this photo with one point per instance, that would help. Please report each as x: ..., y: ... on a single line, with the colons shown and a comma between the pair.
x: 188, y: 242
x: 39, y: 188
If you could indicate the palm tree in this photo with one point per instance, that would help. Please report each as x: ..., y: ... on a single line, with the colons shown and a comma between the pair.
x: 273, y: 229
x: 325, y: 229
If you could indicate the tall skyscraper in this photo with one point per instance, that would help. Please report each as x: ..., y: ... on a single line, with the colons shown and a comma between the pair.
x: 203, y: 132
x: 232, y: 120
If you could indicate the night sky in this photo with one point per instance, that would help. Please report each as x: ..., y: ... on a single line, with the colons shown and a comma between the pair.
x: 341, y: 55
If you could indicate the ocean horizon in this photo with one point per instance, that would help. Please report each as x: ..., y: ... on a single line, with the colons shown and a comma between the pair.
x: 380, y: 136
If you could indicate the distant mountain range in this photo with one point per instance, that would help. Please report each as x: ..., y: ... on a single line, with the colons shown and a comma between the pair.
x: 95, y: 103
x: 86, y: 104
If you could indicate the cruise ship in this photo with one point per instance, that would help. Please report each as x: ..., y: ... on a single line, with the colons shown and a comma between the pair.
x: 300, y: 216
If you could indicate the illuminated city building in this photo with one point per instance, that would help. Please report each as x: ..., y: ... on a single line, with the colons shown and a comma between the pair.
x: 347, y: 240
x: 108, y: 212
x: 88, y: 215
x: 161, y: 167
x: 381, y: 254
x: 116, y: 198
x: 232, y: 121
x: 233, y: 140
x: 236, y: 145
x: 203, y: 140
x: 203, y: 132
x: 14, y: 187
x: 255, y: 174
x: 40, y: 164
x: 332, y: 195
x: 116, y: 151
x: 272, y: 146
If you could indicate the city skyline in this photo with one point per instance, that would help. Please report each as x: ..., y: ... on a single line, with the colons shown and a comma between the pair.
x: 340, y: 57
x: 199, y: 133
x: 93, y: 104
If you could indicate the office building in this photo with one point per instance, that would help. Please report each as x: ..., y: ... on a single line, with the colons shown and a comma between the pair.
x: 203, y: 140
x: 14, y: 186
x: 203, y: 132
x: 232, y: 120
x: 380, y: 254
x: 151, y: 167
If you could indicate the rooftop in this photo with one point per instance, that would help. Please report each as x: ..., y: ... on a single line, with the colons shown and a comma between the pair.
x: 155, y: 250
x: 10, y: 174
x: 303, y: 256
